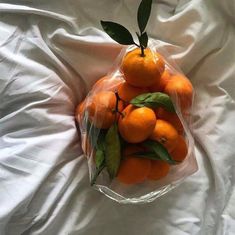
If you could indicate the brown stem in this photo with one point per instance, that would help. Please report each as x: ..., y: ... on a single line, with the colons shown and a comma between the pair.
x: 117, y: 100
x: 142, y: 51
x: 116, y: 106
x: 163, y: 140
x: 141, y: 46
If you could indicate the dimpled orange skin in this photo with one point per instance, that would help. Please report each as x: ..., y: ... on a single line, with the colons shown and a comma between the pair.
x: 158, y: 170
x: 133, y: 169
x: 101, y: 109
x: 137, y: 124
x: 127, y: 92
x: 181, y: 150
x: 142, y: 71
x: 166, y: 134
x: 171, y: 118
x: 161, y: 84
x: 179, y: 85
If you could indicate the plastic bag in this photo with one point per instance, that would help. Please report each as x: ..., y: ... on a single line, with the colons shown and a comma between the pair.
x: 105, y: 144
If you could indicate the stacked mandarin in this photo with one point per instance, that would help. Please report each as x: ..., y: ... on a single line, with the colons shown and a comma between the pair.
x: 131, y: 126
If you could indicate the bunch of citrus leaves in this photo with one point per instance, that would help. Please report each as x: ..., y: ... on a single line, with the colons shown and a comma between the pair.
x: 132, y: 128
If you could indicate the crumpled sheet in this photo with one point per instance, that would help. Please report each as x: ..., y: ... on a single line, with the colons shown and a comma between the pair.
x: 51, y: 52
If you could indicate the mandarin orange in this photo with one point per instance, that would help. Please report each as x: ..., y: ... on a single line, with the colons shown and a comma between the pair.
x: 170, y: 117
x: 133, y: 169
x: 158, y: 170
x: 107, y: 83
x: 181, y: 89
x: 101, y: 109
x: 165, y: 134
x: 160, y: 85
x: 142, y: 71
x: 127, y: 92
x: 136, y: 124
x: 181, y: 150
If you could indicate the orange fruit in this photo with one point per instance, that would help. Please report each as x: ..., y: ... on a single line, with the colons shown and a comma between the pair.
x: 127, y: 92
x: 133, y: 169
x: 182, y: 88
x: 79, y: 111
x: 104, y: 78
x: 165, y: 133
x: 158, y: 170
x: 101, y: 109
x: 172, y: 118
x: 136, y: 124
x: 161, y: 84
x: 107, y: 83
x: 181, y: 150
x: 142, y: 71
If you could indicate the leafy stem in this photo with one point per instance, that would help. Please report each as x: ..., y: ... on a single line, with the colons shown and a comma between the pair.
x: 142, y: 51
x: 141, y: 44
x: 121, y: 35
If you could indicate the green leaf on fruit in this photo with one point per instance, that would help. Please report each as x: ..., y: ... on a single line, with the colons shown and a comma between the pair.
x: 100, y: 150
x: 156, y: 151
x: 99, y: 158
x: 154, y: 100
x: 112, y: 151
x: 117, y: 32
x: 96, y: 138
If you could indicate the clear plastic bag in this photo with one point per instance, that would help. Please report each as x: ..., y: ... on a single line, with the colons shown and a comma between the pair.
x: 94, y: 126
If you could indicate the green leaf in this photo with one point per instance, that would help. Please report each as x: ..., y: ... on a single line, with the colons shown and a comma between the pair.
x: 154, y: 100
x: 96, y: 135
x: 99, y: 158
x: 101, y: 140
x: 144, y: 40
x: 100, y: 150
x: 143, y: 14
x: 117, y: 32
x: 159, y: 150
x: 97, y: 172
x: 97, y: 140
x: 112, y: 151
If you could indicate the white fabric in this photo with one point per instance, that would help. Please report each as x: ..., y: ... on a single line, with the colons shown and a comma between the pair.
x: 50, y: 54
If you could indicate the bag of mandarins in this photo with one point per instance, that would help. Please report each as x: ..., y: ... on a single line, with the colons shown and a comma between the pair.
x: 135, y: 121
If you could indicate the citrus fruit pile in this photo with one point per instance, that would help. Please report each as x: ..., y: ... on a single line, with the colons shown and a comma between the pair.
x: 130, y: 122
x: 138, y: 133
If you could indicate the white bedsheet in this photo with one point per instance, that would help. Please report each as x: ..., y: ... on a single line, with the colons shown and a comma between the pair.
x: 50, y: 54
